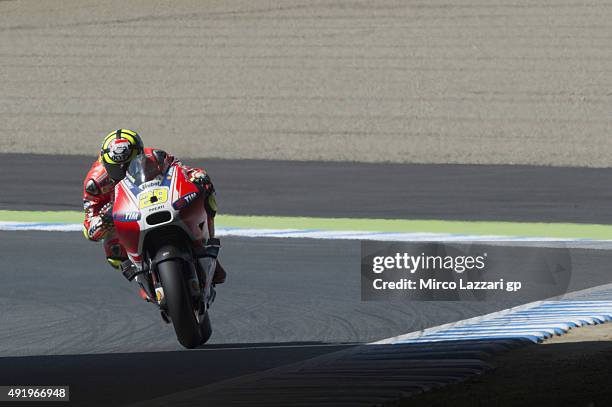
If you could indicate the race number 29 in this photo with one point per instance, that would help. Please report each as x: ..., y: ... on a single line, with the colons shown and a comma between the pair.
x: 34, y: 393
x: 156, y: 196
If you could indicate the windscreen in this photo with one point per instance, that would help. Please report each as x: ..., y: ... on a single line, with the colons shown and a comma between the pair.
x: 143, y: 169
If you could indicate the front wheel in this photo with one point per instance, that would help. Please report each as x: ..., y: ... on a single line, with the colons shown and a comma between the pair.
x: 178, y: 301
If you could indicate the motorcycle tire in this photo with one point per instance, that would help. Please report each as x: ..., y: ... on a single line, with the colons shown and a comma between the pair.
x: 178, y: 302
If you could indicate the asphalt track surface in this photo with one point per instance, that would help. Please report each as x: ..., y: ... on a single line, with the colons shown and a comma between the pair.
x: 325, y: 189
x: 511, y: 82
x: 432, y: 82
x: 69, y: 319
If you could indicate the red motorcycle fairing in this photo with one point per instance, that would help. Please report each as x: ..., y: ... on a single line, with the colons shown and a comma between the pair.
x: 126, y: 216
x: 168, y: 199
x: 196, y: 219
x: 189, y: 200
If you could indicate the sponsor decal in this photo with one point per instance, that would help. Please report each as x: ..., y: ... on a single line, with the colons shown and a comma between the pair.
x: 152, y: 209
x: 185, y: 200
x: 119, y: 150
x: 159, y: 294
x: 149, y: 184
x: 168, y: 178
x: 126, y: 216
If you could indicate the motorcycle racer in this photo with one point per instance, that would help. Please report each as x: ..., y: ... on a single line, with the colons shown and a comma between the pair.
x: 118, y: 149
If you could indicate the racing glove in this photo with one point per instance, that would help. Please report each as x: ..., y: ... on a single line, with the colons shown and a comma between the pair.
x: 101, y: 224
x: 106, y: 215
x: 202, y: 179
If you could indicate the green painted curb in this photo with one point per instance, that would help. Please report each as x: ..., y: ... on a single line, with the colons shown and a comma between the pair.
x: 552, y: 230
x: 42, y: 217
x: 527, y: 229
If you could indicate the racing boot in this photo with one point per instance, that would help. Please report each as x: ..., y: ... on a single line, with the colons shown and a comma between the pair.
x: 220, y: 274
x: 116, y: 256
x: 115, y: 262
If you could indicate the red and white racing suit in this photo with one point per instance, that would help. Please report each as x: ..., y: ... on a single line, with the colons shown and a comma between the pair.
x: 99, y: 194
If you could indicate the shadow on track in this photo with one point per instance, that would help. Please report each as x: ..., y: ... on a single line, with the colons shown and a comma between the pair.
x: 122, y: 378
x: 549, y: 375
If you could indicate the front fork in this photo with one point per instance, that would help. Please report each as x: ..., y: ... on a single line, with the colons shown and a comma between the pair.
x: 207, y: 262
x: 146, y: 281
x: 199, y: 277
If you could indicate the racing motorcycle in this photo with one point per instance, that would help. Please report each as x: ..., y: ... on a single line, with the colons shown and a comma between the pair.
x: 160, y: 219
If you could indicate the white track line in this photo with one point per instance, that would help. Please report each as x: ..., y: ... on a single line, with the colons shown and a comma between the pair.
x: 345, y: 235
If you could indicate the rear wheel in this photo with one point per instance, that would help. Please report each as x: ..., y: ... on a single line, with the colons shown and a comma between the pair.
x: 178, y: 301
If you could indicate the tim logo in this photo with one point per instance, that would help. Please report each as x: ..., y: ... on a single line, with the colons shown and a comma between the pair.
x: 190, y: 197
x: 119, y: 150
x: 132, y: 216
x: 184, y: 201
x: 127, y: 217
